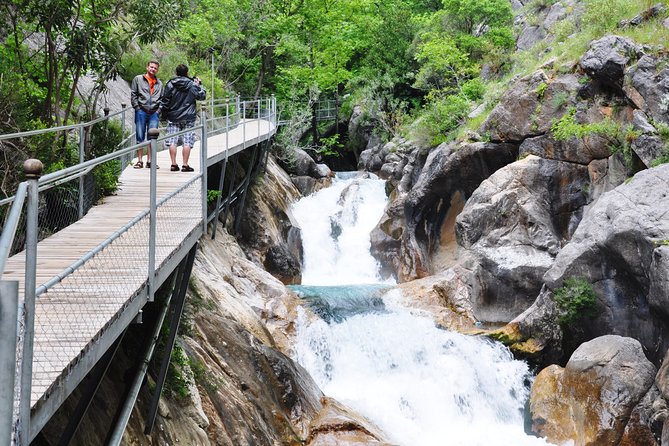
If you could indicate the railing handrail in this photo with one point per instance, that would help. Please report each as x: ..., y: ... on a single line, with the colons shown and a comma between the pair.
x: 61, y: 128
x: 11, y: 224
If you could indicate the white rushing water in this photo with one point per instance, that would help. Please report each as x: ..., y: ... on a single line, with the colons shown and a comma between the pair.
x: 421, y: 385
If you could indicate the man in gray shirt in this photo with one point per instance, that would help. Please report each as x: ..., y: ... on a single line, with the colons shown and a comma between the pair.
x: 146, y: 91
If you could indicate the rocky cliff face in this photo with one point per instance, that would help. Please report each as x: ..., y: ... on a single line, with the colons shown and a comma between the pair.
x: 510, y: 220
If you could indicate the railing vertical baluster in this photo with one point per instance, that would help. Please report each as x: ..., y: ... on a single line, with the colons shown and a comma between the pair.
x: 153, y: 136
x: 9, y: 303
x: 122, y: 161
x: 274, y: 119
x: 258, y: 122
x: 33, y: 170
x: 203, y: 170
x: 82, y: 143
x: 238, y: 108
x: 221, y: 181
x: 244, y: 125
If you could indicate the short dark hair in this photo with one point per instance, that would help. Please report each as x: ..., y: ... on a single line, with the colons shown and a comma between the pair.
x: 152, y: 61
x: 182, y: 70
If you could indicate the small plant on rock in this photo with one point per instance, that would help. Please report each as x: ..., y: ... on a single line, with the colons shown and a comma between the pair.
x: 576, y: 300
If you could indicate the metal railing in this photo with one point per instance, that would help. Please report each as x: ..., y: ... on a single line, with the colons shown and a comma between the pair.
x: 163, y: 224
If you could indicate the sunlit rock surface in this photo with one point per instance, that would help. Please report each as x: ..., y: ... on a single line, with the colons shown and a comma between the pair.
x: 591, y: 399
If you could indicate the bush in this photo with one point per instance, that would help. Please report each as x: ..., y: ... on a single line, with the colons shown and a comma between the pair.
x: 576, y: 300
x: 443, y: 116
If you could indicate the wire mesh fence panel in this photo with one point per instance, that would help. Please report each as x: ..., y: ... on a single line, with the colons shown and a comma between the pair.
x: 176, y: 218
x: 74, y: 312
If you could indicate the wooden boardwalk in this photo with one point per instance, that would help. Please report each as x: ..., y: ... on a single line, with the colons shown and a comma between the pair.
x: 80, y: 317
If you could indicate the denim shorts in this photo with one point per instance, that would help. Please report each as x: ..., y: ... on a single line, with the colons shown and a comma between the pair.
x: 143, y: 122
x: 185, y: 139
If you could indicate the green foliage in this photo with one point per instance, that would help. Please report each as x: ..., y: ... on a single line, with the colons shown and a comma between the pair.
x: 471, y: 16
x: 213, y: 195
x: 567, y: 127
x: 541, y: 90
x: 179, y: 374
x: 602, y: 16
x: 330, y: 146
x: 442, y: 116
x: 560, y: 99
x: 576, y: 300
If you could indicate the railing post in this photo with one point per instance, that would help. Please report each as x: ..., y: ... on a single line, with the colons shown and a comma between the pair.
x: 122, y: 160
x: 258, y: 119
x: 244, y: 125
x: 33, y: 170
x: 211, y: 51
x: 153, y: 136
x: 9, y: 305
x: 238, y: 108
x: 273, y: 107
x: 203, y: 170
x: 82, y: 143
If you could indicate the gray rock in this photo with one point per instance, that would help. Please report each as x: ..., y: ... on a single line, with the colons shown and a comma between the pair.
x: 648, y: 148
x: 607, y: 58
x: 448, y: 170
x: 557, y: 13
x: 590, y: 401
x: 283, y: 265
x: 647, y: 87
x: 323, y: 171
x: 514, y: 225
x: 529, y: 37
x: 640, y: 123
x: 116, y: 93
x: 618, y: 247
x: 512, y: 119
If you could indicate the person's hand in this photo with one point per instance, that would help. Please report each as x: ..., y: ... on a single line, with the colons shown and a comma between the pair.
x: 197, y: 80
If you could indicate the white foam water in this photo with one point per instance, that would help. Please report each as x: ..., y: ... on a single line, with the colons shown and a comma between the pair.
x: 423, y: 386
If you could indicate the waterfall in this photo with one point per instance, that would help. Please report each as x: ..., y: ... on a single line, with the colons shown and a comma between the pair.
x: 423, y: 386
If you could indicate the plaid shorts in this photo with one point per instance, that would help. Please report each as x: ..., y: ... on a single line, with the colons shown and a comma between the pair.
x: 186, y: 139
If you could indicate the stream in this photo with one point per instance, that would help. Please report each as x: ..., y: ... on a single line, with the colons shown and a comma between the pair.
x: 420, y: 384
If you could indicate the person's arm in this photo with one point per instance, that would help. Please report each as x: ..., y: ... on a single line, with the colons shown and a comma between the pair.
x: 166, y: 97
x: 134, y: 87
x: 197, y: 91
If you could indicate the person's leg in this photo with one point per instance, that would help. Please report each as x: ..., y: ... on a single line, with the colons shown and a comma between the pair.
x: 171, y: 144
x: 186, y: 154
x: 189, y: 140
x: 140, y: 133
x: 152, y: 123
x: 173, y: 154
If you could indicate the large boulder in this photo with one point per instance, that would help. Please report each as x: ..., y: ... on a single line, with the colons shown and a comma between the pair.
x: 268, y: 224
x: 514, y: 225
x: 450, y: 175
x: 606, y: 60
x: 647, y: 86
x: 590, y: 401
x: 621, y: 248
x: 512, y: 119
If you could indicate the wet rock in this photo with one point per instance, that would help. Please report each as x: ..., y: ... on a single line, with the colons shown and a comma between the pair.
x: 591, y: 399
x: 308, y: 185
x: 283, y: 265
x: 337, y: 425
x: 267, y: 220
x: 644, y: 427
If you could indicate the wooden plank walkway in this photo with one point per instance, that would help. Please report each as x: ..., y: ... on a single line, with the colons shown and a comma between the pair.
x: 73, y: 318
